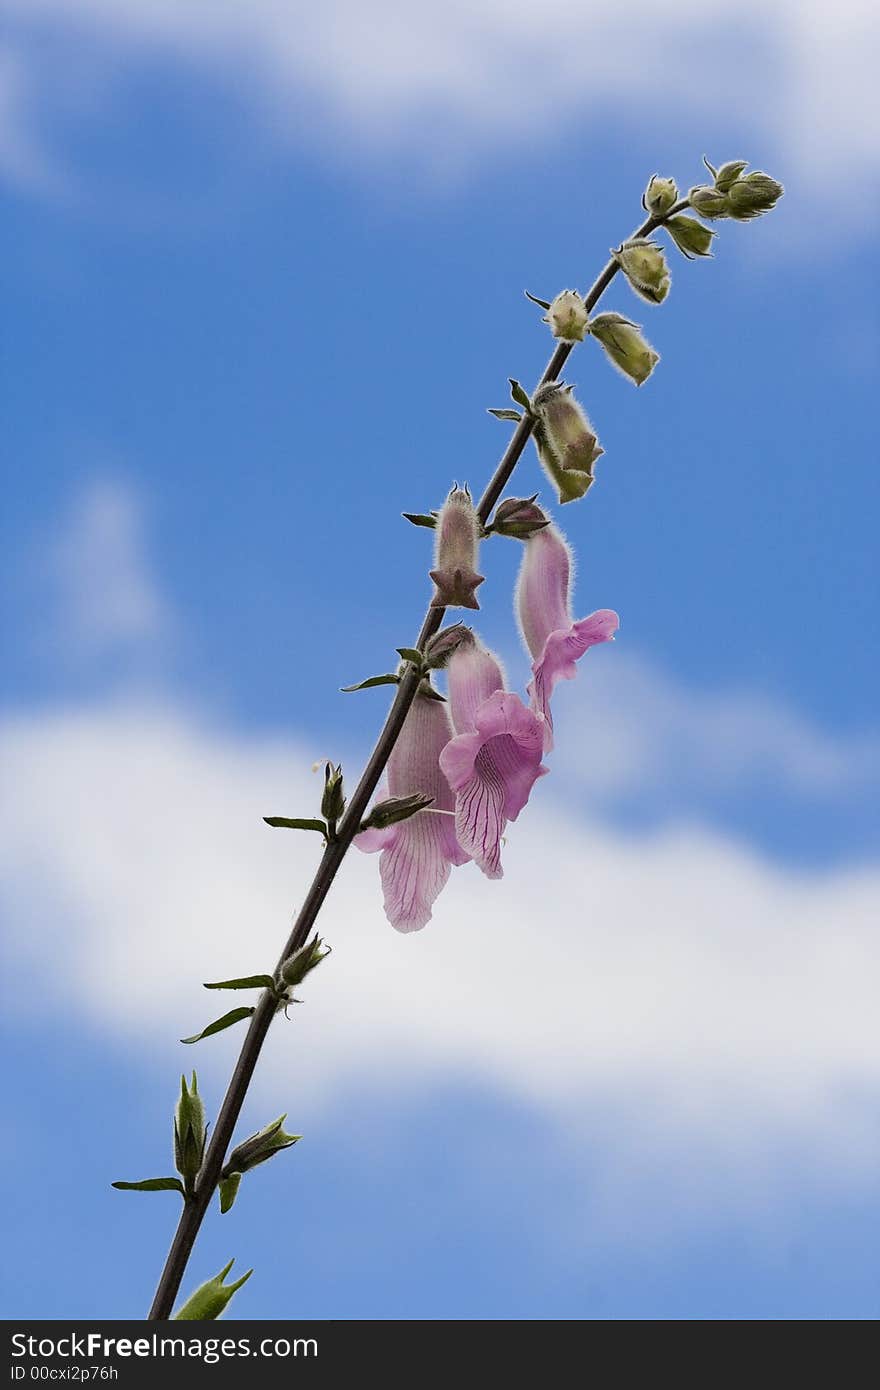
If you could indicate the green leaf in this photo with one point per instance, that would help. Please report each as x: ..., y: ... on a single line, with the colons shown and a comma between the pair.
x: 505, y: 414
x: 151, y: 1185
x: 234, y: 1016
x: 420, y: 519
x: 247, y: 982
x: 541, y: 303
x: 518, y: 394
x: 208, y: 1302
x: 373, y: 680
x: 228, y: 1189
x: 296, y: 823
x: 410, y: 654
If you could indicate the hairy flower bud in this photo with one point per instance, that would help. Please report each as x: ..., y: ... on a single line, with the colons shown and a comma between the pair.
x: 727, y: 175
x: 440, y: 647
x: 519, y: 517
x: 625, y: 346
x: 708, y: 202
x: 644, y: 265
x: 190, y: 1131
x: 260, y: 1147
x: 659, y: 196
x: 395, y: 809
x: 333, y: 800
x: 690, y: 236
x: 455, y: 571
x: 753, y: 195
x: 303, y: 961
x: 566, y: 443
x: 567, y: 317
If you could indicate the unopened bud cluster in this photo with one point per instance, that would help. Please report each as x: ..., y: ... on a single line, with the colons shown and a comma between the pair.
x: 734, y: 193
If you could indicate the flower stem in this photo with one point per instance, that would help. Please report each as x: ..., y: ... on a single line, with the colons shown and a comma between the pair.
x: 194, y: 1209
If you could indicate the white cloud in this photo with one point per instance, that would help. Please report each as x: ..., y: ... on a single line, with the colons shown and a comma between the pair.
x: 444, y: 82
x: 107, y: 595
x: 711, y: 1001
x: 630, y: 728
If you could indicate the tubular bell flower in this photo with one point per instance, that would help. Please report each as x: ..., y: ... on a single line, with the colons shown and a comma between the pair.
x: 417, y: 853
x: 555, y: 642
x: 495, y: 758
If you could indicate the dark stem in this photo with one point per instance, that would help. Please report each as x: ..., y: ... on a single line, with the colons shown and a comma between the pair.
x: 194, y: 1209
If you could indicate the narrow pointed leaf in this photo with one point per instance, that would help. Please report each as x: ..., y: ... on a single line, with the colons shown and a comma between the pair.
x: 421, y: 519
x: 151, y: 1185
x: 505, y: 414
x: 541, y: 303
x: 518, y: 393
x: 388, y: 679
x: 410, y: 654
x: 294, y: 823
x: 234, y: 1016
x: 247, y: 982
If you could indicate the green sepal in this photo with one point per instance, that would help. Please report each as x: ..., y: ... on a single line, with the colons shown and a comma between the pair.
x: 420, y: 519
x: 228, y: 1190
x: 505, y: 414
x: 430, y: 693
x: 295, y: 823
x: 151, y: 1185
x: 368, y: 684
x: 410, y: 654
x: 712, y: 170
x: 209, y: 1301
x: 518, y: 394
x: 294, y: 970
x: 247, y: 982
x: 234, y: 1016
x: 541, y: 303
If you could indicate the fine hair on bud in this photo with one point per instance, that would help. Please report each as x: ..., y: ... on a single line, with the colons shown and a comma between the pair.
x: 568, y: 317
x: 625, y: 346
x: 659, y: 196
x: 644, y: 265
x: 566, y: 442
x: 457, y: 541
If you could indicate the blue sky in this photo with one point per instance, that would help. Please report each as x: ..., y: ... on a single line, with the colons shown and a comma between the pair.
x: 260, y: 287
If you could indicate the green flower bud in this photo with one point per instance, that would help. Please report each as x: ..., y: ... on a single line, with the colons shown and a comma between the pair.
x: 333, y: 800
x: 644, y: 265
x: 566, y: 443
x: 394, y: 809
x: 519, y: 517
x: 190, y: 1132
x: 659, y: 196
x: 624, y: 344
x: 753, y: 195
x: 727, y: 175
x: 259, y: 1148
x: 297, y: 966
x: 690, y: 236
x: 439, y: 648
x: 567, y: 317
x: 209, y: 1301
x: 708, y: 202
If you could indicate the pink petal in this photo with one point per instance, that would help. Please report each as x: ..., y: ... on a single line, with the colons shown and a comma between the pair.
x: 414, y: 869
x: 557, y: 662
x: 543, y: 588
x: 492, y: 771
x: 473, y: 674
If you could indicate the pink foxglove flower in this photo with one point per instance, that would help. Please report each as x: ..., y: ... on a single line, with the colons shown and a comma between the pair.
x: 554, y: 640
x: 495, y: 758
x: 417, y: 853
